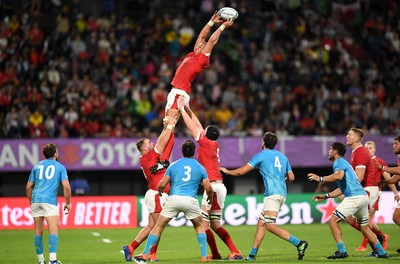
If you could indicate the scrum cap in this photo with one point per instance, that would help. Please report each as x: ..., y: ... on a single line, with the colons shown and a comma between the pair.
x: 212, y: 133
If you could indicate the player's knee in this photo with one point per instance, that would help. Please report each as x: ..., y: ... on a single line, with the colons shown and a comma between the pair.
x: 334, y: 220
x: 349, y: 220
x: 215, y: 225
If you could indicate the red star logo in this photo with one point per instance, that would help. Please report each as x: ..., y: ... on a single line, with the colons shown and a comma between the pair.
x: 69, y: 154
x: 327, y: 210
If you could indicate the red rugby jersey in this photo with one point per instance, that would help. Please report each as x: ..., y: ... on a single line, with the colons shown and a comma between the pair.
x: 361, y: 157
x: 192, y: 65
x: 377, y: 172
x: 147, y: 161
x: 208, y: 156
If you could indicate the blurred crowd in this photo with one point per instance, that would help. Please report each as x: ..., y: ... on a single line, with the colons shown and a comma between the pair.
x: 293, y: 67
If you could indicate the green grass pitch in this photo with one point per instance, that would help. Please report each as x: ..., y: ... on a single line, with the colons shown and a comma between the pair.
x: 179, y: 245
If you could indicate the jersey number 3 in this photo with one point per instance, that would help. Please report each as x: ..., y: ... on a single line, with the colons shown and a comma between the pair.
x: 188, y: 169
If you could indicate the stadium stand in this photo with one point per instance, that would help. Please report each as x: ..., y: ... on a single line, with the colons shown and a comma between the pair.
x: 294, y: 67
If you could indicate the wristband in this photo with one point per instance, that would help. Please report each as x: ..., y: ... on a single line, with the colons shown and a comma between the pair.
x: 170, y: 126
x: 321, y: 179
x: 210, y: 23
x: 327, y: 195
x: 383, y: 168
x: 183, y: 109
x: 222, y: 27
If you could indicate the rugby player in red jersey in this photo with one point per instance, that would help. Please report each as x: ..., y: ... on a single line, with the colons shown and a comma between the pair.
x: 364, y: 167
x: 370, y: 145
x: 208, y: 156
x: 192, y: 65
x: 150, y: 154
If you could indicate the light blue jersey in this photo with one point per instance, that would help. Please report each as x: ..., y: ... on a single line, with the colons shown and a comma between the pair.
x: 186, y: 175
x: 349, y: 184
x: 47, y: 176
x: 273, y: 166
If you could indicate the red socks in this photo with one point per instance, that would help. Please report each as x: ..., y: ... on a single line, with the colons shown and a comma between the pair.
x: 224, y: 235
x: 211, y: 242
x: 134, y: 245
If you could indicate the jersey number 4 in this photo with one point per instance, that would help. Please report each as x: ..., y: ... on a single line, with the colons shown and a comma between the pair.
x: 277, y: 163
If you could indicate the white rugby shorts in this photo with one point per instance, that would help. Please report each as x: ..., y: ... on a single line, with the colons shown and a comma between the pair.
x: 373, y: 194
x: 355, y: 205
x: 173, y: 96
x: 219, y: 197
x: 175, y: 204
x: 154, y: 202
x: 44, y: 210
x: 274, y: 202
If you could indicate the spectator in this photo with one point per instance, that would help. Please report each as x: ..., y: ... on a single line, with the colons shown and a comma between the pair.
x: 296, y: 58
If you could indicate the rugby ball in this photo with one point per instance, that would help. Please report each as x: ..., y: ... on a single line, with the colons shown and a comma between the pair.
x: 228, y: 13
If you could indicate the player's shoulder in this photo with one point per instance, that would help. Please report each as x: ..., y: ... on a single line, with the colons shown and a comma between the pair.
x: 380, y: 160
x: 59, y: 165
x: 363, y: 152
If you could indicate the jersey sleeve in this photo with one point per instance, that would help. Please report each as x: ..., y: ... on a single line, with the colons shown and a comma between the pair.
x: 64, y: 175
x: 204, y: 172
x: 361, y: 159
x: 381, y: 161
x: 255, y: 160
x: 339, y: 165
x: 168, y: 172
x: 288, y: 167
x: 32, y: 175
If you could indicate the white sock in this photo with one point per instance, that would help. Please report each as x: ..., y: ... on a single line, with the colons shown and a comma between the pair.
x: 40, y: 257
x: 53, y: 256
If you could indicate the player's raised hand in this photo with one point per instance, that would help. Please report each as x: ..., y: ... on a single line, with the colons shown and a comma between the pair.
x: 181, y: 102
x: 228, y: 23
x: 216, y: 18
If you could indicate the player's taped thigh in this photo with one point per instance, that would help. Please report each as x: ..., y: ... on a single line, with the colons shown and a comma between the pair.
x: 267, y: 219
x: 205, y: 215
x: 213, y: 216
x: 363, y: 222
x: 339, y: 215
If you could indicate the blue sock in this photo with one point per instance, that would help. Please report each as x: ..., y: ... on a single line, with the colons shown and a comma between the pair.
x: 151, y: 241
x: 379, y: 248
x: 38, y: 241
x: 53, y: 243
x: 253, y: 251
x: 340, y: 247
x: 202, y: 239
x: 294, y: 240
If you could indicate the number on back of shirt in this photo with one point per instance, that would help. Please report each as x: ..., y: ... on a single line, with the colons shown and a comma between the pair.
x: 277, y: 163
x: 48, y: 172
x: 188, y: 169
